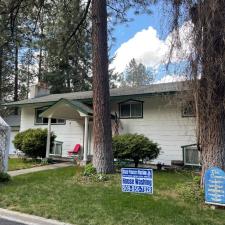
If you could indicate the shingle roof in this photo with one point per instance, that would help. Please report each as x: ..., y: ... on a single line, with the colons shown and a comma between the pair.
x: 12, y: 120
x: 125, y: 91
x: 72, y: 104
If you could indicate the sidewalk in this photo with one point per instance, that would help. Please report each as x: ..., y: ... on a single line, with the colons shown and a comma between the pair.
x: 40, y: 168
x: 21, y: 218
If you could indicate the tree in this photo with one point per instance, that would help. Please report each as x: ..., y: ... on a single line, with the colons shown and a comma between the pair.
x: 207, y: 59
x: 69, y: 67
x: 137, y: 74
x: 41, y: 28
x: 103, y: 156
x: 134, y: 146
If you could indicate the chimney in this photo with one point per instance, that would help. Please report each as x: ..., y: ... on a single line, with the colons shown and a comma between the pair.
x: 38, y: 90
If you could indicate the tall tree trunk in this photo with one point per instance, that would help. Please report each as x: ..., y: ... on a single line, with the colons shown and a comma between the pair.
x: 28, y: 79
x: 41, y: 49
x: 103, y: 156
x: 16, y: 74
x: 211, y: 87
x: 40, y: 64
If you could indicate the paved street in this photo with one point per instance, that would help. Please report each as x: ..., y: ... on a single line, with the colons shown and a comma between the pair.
x: 8, y: 216
x: 7, y: 222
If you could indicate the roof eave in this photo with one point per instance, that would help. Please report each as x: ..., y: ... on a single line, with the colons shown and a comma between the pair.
x: 16, y: 104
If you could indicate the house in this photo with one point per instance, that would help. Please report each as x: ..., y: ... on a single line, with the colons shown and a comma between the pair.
x: 158, y: 111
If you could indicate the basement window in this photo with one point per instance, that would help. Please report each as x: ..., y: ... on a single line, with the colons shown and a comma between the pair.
x: 44, y: 121
x: 131, y: 109
x: 191, y: 155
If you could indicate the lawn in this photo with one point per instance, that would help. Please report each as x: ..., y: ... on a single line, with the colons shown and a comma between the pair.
x: 18, y: 163
x: 63, y: 194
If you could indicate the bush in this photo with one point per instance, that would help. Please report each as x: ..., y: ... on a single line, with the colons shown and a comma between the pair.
x: 121, y: 164
x: 4, y: 177
x: 135, y: 147
x: 191, y: 191
x: 33, y: 142
x: 89, y: 170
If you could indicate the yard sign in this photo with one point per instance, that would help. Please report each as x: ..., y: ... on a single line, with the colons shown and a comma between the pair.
x: 137, y: 180
x: 215, y: 186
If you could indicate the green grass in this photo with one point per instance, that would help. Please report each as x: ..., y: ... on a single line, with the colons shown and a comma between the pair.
x: 63, y: 194
x: 18, y: 163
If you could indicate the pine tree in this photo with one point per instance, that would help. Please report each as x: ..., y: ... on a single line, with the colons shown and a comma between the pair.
x: 208, y: 60
x: 137, y: 74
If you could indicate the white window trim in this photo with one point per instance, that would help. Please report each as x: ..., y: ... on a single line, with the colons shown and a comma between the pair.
x: 42, y: 123
x: 130, y: 102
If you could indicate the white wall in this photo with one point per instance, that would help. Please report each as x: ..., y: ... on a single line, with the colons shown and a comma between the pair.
x: 70, y: 134
x: 12, y: 147
x: 163, y: 123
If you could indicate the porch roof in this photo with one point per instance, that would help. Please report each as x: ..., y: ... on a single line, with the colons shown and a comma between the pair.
x: 67, y: 109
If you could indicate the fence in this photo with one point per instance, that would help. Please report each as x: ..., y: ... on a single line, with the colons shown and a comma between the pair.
x: 4, y: 145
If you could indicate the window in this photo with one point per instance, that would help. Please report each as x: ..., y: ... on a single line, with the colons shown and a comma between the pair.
x: 188, y: 109
x: 131, y: 109
x: 191, y: 155
x: 41, y: 120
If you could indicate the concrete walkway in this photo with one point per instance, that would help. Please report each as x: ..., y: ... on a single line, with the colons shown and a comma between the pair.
x: 17, y: 218
x: 39, y: 168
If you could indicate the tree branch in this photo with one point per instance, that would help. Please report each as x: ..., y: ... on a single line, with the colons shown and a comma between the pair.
x: 79, y: 24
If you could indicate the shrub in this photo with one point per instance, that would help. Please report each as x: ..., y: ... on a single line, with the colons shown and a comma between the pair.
x: 135, y: 147
x: 121, y: 164
x: 89, y: 170
x: 191, y: 191
x: 33, y: 142
x: 18, y: 140
x: 4, y: 177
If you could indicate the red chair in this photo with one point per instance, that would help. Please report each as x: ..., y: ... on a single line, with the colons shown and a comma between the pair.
x: 75, y: 150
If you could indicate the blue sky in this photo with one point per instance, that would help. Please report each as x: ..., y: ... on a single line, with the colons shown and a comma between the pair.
x: 123, y: 32
x: 145, y: 39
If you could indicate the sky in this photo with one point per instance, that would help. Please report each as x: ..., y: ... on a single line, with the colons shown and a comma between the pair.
x: 147, y: 39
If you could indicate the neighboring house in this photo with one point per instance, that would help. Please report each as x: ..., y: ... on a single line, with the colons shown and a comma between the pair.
x: 14, y: 122
x: 157, y: 111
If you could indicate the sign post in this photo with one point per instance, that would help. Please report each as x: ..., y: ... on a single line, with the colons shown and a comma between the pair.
x: 137, y: 180
x: 215, y: 186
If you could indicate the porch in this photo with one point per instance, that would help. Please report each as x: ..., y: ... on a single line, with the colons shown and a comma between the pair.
x: 73, y: 111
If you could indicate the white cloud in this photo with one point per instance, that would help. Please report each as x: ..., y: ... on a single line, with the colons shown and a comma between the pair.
x: 185, y: 35
x: 146, y: 47
x: 171, y: 78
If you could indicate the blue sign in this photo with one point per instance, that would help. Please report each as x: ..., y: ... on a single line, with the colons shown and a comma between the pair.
x: 215, y: 186
x: 137, y: 180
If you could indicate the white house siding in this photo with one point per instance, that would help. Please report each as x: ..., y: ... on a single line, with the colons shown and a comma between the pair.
x: 163, y: 123
x: 12, y: 136
x: 70, y: 133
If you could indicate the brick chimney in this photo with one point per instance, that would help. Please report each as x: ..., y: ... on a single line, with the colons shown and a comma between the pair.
x: 38, y: 90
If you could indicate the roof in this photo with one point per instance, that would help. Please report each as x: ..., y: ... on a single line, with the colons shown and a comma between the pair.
x: 153, y: 89
x: 68, y: 110
x: 63, y: 107
x: 13, y: 120
x: 3, y: 124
